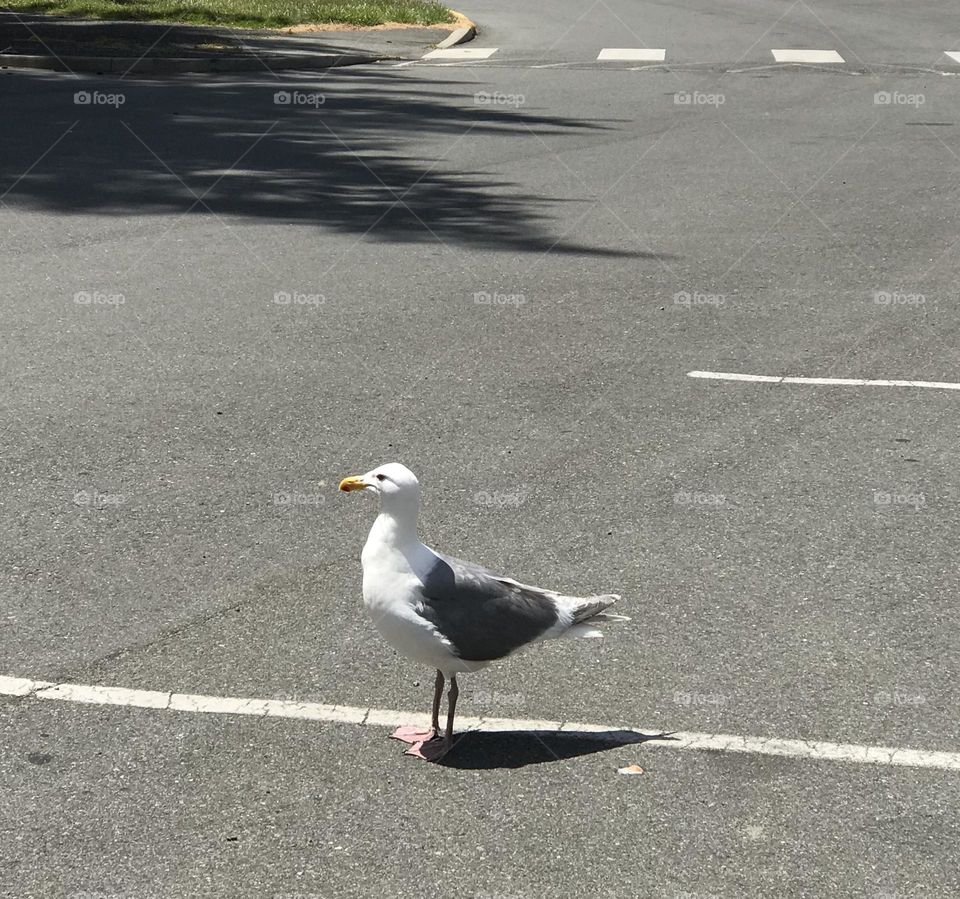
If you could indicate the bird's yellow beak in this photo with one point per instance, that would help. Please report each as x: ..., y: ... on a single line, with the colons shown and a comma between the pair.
x: 355, y: 482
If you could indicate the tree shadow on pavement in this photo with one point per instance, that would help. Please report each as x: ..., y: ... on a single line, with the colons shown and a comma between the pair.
x: 516, y: 749
x: 368, y: 151
x: 38, y: 33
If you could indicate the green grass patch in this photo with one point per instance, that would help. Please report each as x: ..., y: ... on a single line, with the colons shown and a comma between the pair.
x: 244, y: 13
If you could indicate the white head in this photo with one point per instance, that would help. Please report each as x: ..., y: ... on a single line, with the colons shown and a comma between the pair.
x: 397, y: 487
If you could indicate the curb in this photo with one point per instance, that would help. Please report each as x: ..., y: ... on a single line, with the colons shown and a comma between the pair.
x: 460, y: 36
x: 112, y: 65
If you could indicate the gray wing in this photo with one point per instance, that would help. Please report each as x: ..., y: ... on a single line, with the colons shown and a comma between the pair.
x: 483, y: 616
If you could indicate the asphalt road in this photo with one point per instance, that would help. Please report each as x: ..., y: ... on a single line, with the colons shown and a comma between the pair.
x: 696, y: 31
x: 216, y: 305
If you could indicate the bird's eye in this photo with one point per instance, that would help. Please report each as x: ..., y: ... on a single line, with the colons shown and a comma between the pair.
x: 381, y: 477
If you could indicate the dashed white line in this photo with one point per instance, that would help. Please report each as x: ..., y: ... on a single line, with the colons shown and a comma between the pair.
x: 636, y: 54
x: 844, y: 382
x: 633, y: 54
x: 806, y: 56
x: 816, y: 750
x: 461, y: 53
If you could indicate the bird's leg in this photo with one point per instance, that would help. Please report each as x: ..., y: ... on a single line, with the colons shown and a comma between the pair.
x: 433, y: 749
x: 451, y: 710
x: 437, y: 697
x: 411, y: 733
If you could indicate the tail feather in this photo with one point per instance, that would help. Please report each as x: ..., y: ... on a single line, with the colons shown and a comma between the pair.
x: 593, y: 608
x: 609, y: 616
x: 589, y: 612
x: 578, y: 613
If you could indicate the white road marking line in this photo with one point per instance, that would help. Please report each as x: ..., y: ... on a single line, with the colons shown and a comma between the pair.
x: 847, y: 382
x: 461, y: 53
x: 144, y: 699
x: 217, y: 705
x: 806, y: 56
x: 638, y: 54
x: 314, y: 711
x: 20, y: 686
x: 953, y: 54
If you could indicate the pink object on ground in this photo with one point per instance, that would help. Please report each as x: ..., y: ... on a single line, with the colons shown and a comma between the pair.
x: 412, y: 734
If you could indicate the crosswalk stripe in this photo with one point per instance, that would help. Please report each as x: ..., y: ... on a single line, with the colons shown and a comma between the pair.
x: 806, y: 56
x: 643, y: 54
x: 637, y: 54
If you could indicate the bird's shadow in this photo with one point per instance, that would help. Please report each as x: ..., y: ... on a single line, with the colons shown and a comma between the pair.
x: 477, y: 750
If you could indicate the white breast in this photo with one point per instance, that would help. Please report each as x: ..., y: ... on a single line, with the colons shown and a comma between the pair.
x: 390, y: 596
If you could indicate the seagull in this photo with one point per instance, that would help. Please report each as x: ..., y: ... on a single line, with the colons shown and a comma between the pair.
x: 451, y: 615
